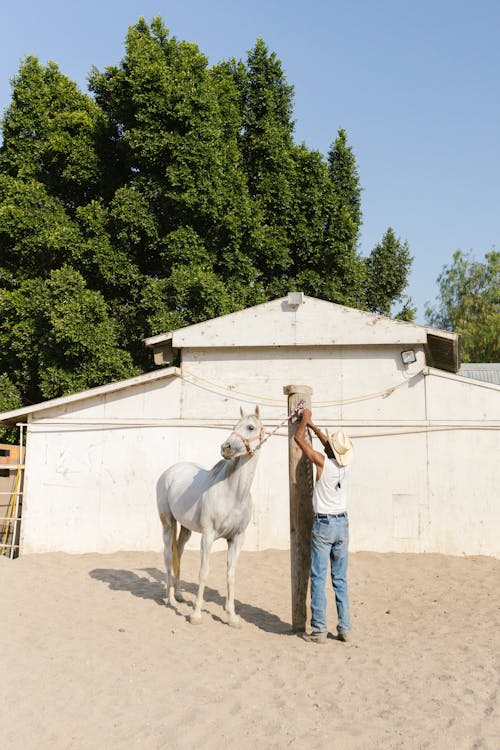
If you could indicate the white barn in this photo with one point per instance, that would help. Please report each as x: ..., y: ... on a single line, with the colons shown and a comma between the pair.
x: 427, y: 440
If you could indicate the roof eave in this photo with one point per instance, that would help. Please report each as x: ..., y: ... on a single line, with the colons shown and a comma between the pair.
x: 16, y: 415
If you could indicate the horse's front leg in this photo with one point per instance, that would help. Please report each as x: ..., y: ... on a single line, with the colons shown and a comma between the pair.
x: 233, y: 550
x: 207, y: 539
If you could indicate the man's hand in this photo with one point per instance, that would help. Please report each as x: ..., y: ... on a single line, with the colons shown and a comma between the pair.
x: 305, y: 415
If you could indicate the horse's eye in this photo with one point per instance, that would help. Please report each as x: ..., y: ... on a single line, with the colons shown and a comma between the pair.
x: 251, y: 427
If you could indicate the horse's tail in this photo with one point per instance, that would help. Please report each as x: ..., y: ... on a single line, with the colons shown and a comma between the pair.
x: 176, y: 563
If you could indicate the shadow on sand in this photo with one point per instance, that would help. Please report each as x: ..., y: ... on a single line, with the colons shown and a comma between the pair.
x: 153, y: 588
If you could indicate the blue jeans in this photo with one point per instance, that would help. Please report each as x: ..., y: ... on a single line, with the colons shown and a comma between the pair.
x: 329, y: 542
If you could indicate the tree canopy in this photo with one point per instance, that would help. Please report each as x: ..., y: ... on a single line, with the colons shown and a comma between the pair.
x: 172, y: 192
x: 469, y: 303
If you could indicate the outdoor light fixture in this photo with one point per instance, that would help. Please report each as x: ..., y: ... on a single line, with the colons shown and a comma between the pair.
x: 295, y: 299
x: 408, y: 357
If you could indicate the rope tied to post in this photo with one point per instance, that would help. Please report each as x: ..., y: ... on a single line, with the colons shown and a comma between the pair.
x: 295, y: 413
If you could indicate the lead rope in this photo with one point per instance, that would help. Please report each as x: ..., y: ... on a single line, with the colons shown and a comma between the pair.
x: 294, y: 413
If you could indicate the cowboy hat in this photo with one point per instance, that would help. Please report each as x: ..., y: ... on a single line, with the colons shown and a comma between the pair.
x: 341, y: 446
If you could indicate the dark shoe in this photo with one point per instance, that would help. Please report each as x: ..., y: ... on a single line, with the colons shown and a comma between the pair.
x: 315, y: 637
x: 344, y: 635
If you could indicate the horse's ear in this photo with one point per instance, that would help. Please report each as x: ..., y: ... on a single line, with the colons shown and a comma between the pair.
x: 257, y: 411
x: 242, y: 412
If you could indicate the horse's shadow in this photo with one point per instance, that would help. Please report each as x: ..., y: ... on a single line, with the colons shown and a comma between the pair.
x: 153, y: 588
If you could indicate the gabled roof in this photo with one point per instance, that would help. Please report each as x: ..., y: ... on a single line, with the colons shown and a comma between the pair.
x: 310, y: 322
x: 11, y: 417
x: 281, y: 322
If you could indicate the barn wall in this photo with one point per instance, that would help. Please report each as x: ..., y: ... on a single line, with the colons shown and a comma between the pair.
x: 91, y: 469
x: 92, y: 466
x: 464, y: 466
x: 336, y: 374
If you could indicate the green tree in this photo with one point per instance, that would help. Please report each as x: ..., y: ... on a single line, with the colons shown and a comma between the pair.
x: 387, y: 268
x: 343, y: 264
x: 57, y: 338
x: 172, y: 194
x: 326, y: 215
x: 177, y: 125
x: 266, y: 139
x: 469, y: 303
x: 10, y: 399
x: 53, y: 133
x: 36, y: 233
x: 267, y: 149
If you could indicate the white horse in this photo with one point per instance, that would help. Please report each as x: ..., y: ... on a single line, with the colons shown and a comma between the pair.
x: 215, y: 502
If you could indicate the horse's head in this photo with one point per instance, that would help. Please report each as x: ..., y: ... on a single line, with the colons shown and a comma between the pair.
x: 246, y: 437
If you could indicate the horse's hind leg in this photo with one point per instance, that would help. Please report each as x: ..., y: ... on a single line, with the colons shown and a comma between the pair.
x: 169, y: 553
x: 184, y: 535
x: 233, y: 550
x: 207, y: 539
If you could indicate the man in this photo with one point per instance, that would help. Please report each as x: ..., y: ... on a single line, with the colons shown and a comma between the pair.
x: 330, y: 531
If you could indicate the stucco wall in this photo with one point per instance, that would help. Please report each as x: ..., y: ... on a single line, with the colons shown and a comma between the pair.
x: 464, y: 466
x: 92, y: 466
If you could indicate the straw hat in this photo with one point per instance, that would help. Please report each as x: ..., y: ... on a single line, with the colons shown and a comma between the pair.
x: 342, y: 447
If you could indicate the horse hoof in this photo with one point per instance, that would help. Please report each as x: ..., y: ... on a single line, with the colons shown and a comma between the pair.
x: 179, y: 597
x: 234, y: 622
x: 195, y: 619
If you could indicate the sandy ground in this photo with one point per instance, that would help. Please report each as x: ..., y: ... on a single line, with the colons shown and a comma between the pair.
x: 92, y: 658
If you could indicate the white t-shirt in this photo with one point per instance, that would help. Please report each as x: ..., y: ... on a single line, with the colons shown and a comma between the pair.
x: 328, y: 496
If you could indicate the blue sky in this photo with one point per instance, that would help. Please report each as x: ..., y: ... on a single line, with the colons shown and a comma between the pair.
x: 415, y: 85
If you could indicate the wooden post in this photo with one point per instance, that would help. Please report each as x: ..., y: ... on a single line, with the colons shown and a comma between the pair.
x: 301, y: 511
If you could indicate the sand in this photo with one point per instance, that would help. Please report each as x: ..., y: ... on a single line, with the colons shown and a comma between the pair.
x: 93, y: 659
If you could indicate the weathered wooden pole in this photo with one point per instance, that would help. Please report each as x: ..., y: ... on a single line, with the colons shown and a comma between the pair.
x: 301, y: 511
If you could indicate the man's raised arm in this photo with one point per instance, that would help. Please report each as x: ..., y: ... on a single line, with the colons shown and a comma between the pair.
x: 301, y: 438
